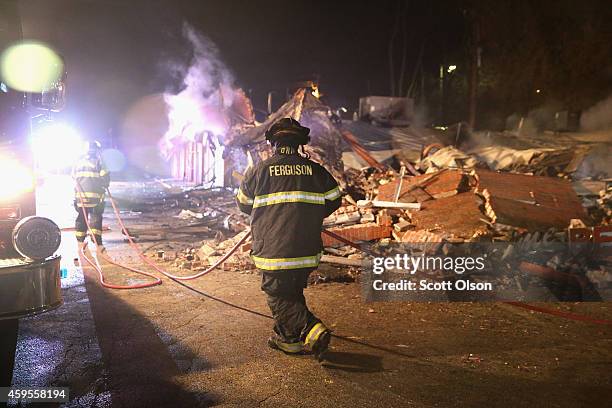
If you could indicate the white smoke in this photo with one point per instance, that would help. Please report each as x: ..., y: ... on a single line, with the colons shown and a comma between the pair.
x: 598, y: 116
x: 208, y: 89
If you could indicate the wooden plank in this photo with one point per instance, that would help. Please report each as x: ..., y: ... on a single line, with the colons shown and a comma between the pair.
x: 340, y: 260
x: 388, y: 204
x: 360, y: 150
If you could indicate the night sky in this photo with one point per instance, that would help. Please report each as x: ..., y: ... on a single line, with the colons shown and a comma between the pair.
x: 119, y: 51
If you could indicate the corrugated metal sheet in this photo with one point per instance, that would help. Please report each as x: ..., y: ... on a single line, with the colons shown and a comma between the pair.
x: 375, y: 138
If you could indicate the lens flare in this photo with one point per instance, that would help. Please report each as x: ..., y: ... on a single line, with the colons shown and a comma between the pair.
x: 114, y: 160
x: 30, y: 67
x: 15, y: 179
x: 56, y: 146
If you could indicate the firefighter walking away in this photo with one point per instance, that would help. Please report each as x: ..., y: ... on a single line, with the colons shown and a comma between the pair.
x: 288, y: 196
x: 91, y: 181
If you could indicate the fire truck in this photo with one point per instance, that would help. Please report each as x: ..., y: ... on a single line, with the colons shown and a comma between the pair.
x: 29, y: 268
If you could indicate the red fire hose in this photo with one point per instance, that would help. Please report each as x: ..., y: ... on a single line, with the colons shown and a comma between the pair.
x: 146, y: 260
x: 559, y: 313
x: 96, y: 266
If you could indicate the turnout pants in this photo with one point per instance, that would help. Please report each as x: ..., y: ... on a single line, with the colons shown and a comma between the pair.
x: 94, y: 215
x: 285, y: 290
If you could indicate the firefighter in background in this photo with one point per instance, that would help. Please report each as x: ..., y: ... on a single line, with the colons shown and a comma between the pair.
x: 288, y: 196
x: 91, y: 179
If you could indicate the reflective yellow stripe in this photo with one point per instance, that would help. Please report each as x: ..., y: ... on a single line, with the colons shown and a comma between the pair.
x: 87, y: 203
x: 314, y: 334
x: 80, y: 234
x: 283, y: 193
x: 86, y: 194
x: 95, y: 231
x: 289, y: 197
x: 86, y: 174
x: 243, y: 198
x: 274, y: 264
x: 332, y: 194
x: 290, y: 347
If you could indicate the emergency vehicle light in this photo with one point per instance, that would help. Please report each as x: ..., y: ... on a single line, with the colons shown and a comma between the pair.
x: 10, y: 213
x: 15, y: 179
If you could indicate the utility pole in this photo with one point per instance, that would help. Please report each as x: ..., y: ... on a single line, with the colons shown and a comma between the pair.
x: 441, y: 90
x: 474, y: 67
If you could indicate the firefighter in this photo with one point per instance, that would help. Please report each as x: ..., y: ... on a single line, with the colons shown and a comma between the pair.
x: 288, y: 196
x: 91, y: 181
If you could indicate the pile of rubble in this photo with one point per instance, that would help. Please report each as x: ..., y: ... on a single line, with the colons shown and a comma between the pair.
x: 598, y: 202
x: 483, y: 194
x: 458, y: 205
x: 451, y: 205
x: 557, y: 162
x: 444, y: 205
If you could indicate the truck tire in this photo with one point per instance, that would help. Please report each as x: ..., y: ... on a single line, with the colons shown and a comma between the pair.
x: 8, y: 345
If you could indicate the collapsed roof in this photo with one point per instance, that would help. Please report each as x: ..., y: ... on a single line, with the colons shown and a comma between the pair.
x: 325, y: 145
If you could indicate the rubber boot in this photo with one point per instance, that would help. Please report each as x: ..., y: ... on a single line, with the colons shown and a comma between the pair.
x: 277, y: 343
x: 317, y: 340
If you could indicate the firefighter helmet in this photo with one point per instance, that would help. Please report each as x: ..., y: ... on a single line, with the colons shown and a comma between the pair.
x: 288, y: 131
x: 93, y: 147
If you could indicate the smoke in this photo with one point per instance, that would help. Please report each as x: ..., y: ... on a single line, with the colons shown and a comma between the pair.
x: 596, y: 164
x: 208, y: 88
x: 420, y: 116
x: 598, y: 116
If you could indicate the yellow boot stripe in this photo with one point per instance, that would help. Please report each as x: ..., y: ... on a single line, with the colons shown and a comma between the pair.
x: 88, y: 194
x: 290, y: 347
x: 315, y: 333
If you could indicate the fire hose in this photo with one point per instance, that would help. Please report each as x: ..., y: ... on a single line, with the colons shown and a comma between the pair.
x: 96, y: 266
x: 94, y: 263
x: 157, y: 281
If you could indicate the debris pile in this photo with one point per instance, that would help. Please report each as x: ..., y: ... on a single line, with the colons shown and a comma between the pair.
x: 461, y: 205
x: 449, y: 205
x: 420, y: 192
x: 599, y: 204
x: 209, y: 253
x: 539, y: 161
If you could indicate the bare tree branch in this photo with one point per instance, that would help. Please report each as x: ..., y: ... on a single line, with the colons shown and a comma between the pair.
x: 391, y: 50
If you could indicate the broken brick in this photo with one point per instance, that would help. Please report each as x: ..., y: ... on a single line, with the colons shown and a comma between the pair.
x: 354, y: 233
x: 401, y: 225
x: 384, y: 219
x: 367, y: 218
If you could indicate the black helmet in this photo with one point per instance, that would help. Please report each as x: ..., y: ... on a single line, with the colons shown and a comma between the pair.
x: 93, y: 147
x: 288, y: 131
